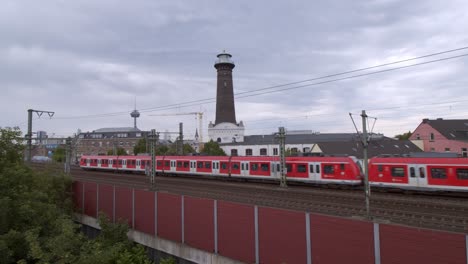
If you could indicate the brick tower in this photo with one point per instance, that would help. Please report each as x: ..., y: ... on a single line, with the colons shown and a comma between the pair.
x: 225, y: 129
x: 225, y: 110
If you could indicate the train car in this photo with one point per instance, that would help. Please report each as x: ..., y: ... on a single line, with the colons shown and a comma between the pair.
x: 422, y: 173
x: 337, y: 170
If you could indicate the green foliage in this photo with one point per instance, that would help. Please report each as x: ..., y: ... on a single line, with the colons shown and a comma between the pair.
x: 168, y: 261
x: 404, y: 136
x: 140, y: 147
x: 213, y: 149
x: 11, y: 147
x: 119, y: 151
x: 59, y: 155
x: 36, y: 219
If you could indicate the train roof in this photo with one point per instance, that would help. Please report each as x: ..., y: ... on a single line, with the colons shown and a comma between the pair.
x: 419, y: 160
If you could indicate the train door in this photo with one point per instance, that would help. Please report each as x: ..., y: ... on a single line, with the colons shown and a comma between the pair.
x: 417, y: 176
x: 275, y: 170
x: 193, y: 166
x: 215, y: 167
x: 314, y: 171
x: 124, y: 164
x: 245, y: 168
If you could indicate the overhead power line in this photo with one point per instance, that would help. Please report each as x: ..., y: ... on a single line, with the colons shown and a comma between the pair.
x: 273, y: 89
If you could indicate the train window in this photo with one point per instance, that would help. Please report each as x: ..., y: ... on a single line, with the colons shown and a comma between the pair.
x: 223, y: 165
x: 200, y: 165
x: 247, y: 166
x: 380, y: 168
x: 311, y: 168
x: 186, y: 164
x: 289, y: 167
x: 422, y: 174
x: 207, y: 165
x: 254, y: 166
x: 301, y: 168
x: 398, y: 172
x: 159, y: 163
x: 412, y: 172
x: 277, y: 167
x: 462, y: 174
x: 317, y: 168
x: 179, y: 164
x: 235, y: 166
x: 166, y: 163
x: 328, y: 169
x: 119, y: 162
x: 264, y: 167
x: 439, y: 173
x: 342, y: 166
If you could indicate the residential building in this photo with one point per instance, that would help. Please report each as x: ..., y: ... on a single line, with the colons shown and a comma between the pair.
x: 441, y: 135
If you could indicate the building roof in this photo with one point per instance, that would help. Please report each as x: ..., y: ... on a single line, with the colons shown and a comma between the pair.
x: 376, y: 147
x: 454, y: 129
x: 310, y: 138
x: 116, y: 129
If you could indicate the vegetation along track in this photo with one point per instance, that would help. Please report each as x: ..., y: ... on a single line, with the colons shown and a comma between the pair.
x: 436, y: 212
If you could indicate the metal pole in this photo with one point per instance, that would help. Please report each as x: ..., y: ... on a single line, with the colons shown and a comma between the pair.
x: 153, y: 156
x: 283, y: 168
x: 67, y: 155
x: 29, y: 136
x: 180, y: 146
x: 365, y: 143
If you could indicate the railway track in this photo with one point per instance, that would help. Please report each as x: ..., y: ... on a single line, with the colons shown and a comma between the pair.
x: 434, y: 212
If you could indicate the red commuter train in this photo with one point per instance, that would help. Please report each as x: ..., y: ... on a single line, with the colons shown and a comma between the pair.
x: 423, y: 173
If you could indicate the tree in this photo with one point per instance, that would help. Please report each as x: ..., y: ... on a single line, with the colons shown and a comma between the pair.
x: 213, y: 149
x: 59, y: 155
x: 119, y: 151
x: 404, y: 136
x: 140, y: 147
x: 11, y: 147
x: 36, y: 215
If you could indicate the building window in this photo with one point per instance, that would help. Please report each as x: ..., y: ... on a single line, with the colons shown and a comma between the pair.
x: 263, y: 152
x: 431, y: 137
x: 233, y: 152
x: 447, y: 149
x: 275, y: 151
x: 138, y: 134
x: 432, y: 149
x: 248, y: 152
x: 293, y: 150
x: 417, y: 136
x: 464, y: 153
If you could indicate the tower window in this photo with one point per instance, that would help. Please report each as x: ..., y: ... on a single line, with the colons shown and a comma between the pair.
x: 225, y: 84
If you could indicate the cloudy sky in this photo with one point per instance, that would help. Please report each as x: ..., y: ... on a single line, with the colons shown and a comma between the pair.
x: 89, y: 60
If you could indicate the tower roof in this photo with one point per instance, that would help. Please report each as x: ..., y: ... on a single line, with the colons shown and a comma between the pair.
x: 224, y: 58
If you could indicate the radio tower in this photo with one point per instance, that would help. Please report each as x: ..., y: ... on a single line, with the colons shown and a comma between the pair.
x: 135, y: 114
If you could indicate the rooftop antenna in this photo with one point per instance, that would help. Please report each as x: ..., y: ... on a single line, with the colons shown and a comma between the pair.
x: 135, y: 114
